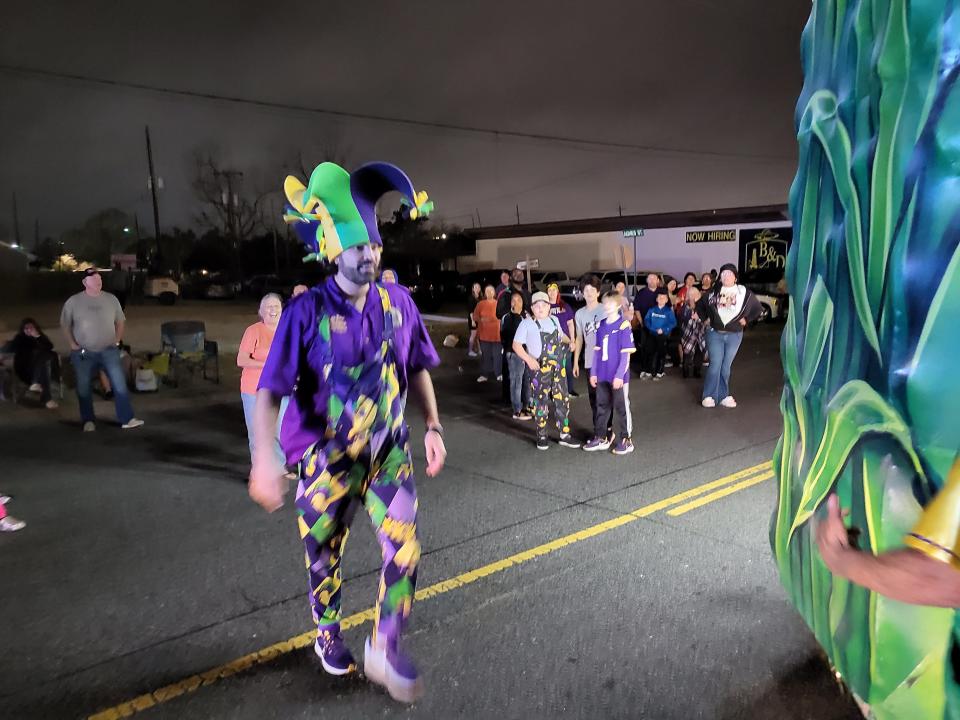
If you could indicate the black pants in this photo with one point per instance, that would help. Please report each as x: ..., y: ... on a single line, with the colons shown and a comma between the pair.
x: 43, y: 366
x: 692, y: 362
x: 639, y: 335
x: 615, y: 402
x: 647, y: 345
x: 505, y: 385
x: 658, y: 343
x: 592, y: 393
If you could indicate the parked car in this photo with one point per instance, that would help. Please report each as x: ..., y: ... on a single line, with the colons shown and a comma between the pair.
x: 257, y: 286
x: 775, y: 305
x: 431, y: 290
x: 610, y: 278
x: 220, y: 287
x: 541, y: 279
x: 484, y: 277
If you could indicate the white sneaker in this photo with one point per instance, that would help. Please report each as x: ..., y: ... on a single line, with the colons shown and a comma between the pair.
x: 132, y: 423
x: 729, y: 402
x: 89, y: 426
x: 36, y: 387
x: 52, y: 405
x: 482, y: 378
x: 472, y: 354
x: 4, y: 499
x: 11, y: 524
x: 709, y: 402
x: 499, y: 378
x: 393, y: 670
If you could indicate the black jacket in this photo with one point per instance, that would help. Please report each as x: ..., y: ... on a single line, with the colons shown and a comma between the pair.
x: 27, y: 351
x: 508, y: 330
x: 708, y: 312
x: 644, y: 300
x: 503, y: 302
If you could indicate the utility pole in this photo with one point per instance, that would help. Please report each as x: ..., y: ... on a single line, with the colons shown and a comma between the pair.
x: 16, y: 222
x: 153, y: 192
x: 479, y: 223
x: 231, y: 201
x: 518, y: 214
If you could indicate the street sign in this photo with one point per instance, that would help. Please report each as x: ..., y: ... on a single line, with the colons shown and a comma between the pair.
x: 531, y: 264
x: 636, y: 232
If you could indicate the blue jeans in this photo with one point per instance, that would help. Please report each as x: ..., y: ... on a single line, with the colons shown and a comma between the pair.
x: 723, y: 348
x: 249, y: 401
x: 85, y: 364
x: 519, y: 383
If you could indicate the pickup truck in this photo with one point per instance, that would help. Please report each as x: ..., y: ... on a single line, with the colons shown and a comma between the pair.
x: 610, y: 278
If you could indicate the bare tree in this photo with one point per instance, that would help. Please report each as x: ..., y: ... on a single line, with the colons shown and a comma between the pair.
x: 230, y: 206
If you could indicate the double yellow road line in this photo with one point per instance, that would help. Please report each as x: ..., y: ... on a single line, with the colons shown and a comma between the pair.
x: 675, y: 505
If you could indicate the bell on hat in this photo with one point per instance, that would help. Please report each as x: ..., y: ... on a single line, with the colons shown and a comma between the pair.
x: 937, y: 534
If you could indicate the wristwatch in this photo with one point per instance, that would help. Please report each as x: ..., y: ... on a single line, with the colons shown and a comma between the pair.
x: 437, y: 428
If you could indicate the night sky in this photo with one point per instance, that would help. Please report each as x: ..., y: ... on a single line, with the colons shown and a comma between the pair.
x: 717, y: 79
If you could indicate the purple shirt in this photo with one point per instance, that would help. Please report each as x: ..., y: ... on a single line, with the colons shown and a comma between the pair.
x: 562, y: 312
x: 611, y: 354
x: 294, y: 367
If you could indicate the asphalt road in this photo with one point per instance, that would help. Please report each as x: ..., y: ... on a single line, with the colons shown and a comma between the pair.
x: 144, y: 563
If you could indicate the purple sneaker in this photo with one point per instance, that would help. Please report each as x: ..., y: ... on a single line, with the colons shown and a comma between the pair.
x: 596, y: 444
x: 386, y: 665
x: 624, y: 447
x: 333, y: 652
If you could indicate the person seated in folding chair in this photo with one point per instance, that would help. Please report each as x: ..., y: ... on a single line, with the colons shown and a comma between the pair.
x: 35, y: 362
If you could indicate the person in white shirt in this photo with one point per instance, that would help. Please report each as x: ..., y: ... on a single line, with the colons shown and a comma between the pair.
x: 726, y: 311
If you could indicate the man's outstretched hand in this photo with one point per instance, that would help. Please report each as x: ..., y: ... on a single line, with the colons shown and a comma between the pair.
x: 832, y: 537
x: 267, y: 485
x: 436, y: 453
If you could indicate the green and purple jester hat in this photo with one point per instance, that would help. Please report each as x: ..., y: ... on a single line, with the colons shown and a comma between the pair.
x: 337, y: 210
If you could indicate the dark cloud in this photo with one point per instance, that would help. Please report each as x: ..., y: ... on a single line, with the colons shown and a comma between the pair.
x: 716, y: 77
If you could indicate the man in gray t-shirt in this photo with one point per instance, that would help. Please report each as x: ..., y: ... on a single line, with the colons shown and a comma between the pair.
x: 587, y: 320
x: 92, y: 322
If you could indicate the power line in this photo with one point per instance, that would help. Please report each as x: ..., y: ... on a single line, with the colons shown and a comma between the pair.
x: 428, y: 124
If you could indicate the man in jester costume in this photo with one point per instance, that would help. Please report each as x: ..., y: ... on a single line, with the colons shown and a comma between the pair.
x: 346, y: 351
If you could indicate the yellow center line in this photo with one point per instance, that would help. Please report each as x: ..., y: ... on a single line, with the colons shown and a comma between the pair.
x: 267, y: 654
x: 707, y: 499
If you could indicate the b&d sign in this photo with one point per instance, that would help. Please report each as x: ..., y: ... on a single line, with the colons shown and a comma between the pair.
x: 763, y: 254
x: 699, y: 236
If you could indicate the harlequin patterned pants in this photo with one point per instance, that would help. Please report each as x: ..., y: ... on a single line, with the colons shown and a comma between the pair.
x: 549, y: 387
x: 328, y: 494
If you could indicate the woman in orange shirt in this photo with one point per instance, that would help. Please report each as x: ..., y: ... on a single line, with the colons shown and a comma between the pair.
x: 488, y: 332
x: 254, y: 348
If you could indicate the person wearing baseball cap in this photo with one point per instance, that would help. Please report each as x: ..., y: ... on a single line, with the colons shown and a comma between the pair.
x: 92, y: 322
x: 542, y: 344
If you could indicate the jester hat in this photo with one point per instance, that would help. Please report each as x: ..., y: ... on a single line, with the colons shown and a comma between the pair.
x: 337, y: 210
